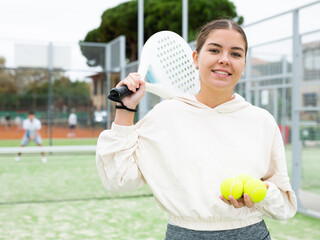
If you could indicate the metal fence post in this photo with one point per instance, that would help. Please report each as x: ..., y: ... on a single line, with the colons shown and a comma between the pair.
x: 256, y: 93
x: 295, y: 126
x: 248, y: 76
x: 140, y: 26
x: 275, y: 103
x: 185, y: 19
x: 122, y: 57
x: 50, y: 97
x: 283, y: 101
x: 108, y: 79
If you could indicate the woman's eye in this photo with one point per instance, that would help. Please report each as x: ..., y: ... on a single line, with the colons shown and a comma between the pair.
x: 214, y: 50
x: 236, y: 54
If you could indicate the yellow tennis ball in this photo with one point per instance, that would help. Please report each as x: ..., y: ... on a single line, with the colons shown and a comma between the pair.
x: 244, y: 177
x: 256, y: 189
x: 231, y: 186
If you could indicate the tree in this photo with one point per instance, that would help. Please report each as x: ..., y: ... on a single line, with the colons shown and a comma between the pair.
x: 159, y: 15
x: 7, y: 87
x: 27, y: 89
x: 29, y: 83
x: 95, y: 55
x: 74, y: 93
x: 65, y: 92
x: 120, y: 20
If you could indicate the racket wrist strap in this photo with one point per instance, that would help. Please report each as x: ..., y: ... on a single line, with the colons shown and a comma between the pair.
x: 125, y: 107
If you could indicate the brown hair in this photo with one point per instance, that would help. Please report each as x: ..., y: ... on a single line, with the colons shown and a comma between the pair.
x: 219, y: 24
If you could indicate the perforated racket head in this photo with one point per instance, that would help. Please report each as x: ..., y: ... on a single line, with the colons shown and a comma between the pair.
x: 166, y: 59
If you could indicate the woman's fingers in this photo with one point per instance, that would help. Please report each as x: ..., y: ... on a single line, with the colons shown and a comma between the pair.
x: 135, y: 81
x: 132, y: 81
x: 247, y: 201
x: 238, y: 203
x: 225, y: 200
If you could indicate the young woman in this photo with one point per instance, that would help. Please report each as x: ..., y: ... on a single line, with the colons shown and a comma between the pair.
x: 186, y: 146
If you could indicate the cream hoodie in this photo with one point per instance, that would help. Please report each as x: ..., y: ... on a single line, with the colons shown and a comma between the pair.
x: 184, y: 150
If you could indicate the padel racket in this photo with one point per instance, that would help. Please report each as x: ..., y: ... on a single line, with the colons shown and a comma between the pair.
x: 166, y: 59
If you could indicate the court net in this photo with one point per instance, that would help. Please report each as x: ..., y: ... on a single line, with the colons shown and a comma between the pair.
x: 70, y: 174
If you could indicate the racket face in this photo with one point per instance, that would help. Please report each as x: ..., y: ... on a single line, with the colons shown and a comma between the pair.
x: 166, y: 59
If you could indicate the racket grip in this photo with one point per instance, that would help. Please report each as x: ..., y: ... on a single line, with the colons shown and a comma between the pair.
x: 116, y: 94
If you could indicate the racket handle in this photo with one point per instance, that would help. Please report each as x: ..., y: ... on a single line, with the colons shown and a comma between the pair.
x: 116, y: 94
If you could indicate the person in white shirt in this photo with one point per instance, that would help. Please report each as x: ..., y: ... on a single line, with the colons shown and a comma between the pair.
x: 32, y: 127
x: 72, y: 121
x: 186, y: 146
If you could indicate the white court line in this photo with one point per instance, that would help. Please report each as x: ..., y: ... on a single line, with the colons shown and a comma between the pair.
x: 73, y: 148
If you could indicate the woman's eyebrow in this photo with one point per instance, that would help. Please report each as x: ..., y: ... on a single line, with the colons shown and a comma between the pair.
x: 219, y: 46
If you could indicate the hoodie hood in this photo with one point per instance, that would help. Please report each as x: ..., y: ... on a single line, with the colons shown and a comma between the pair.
x: 237, y: 103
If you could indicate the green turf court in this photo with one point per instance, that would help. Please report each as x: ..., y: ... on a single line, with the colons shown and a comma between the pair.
x: 64, y: 199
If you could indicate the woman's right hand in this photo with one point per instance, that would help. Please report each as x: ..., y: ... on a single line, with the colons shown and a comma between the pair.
x: 136, y: 85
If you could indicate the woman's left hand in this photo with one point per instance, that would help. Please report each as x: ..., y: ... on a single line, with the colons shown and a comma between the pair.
x: 245, y: 201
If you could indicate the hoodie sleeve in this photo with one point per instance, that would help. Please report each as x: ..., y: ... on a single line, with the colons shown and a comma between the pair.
x: 280, y: 202
x: 116, y: 159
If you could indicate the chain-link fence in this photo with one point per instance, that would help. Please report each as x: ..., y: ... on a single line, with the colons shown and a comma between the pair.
x: 283, y: 76
x: 55, y: 80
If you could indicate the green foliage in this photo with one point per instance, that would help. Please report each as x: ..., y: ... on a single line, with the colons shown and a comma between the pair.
x: 117, y: 21
x: 7, y: 86
x: 2, y: 61
x: 158, y: 15
x: 94, y: 55
x: 65, y: 91
x: 28, y: 89
x: 310, y: 133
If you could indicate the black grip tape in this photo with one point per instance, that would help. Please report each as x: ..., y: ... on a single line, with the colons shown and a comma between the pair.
x: 116, y: 94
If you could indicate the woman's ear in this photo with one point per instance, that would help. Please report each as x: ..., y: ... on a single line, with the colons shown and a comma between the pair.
x: 195, y: 58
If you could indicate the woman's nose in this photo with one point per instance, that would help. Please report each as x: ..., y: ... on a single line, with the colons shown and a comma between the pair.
x: 224, y: 59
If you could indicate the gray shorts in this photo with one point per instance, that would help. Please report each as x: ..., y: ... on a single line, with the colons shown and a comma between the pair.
x: 256, y: 231
x: 25, y: 140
